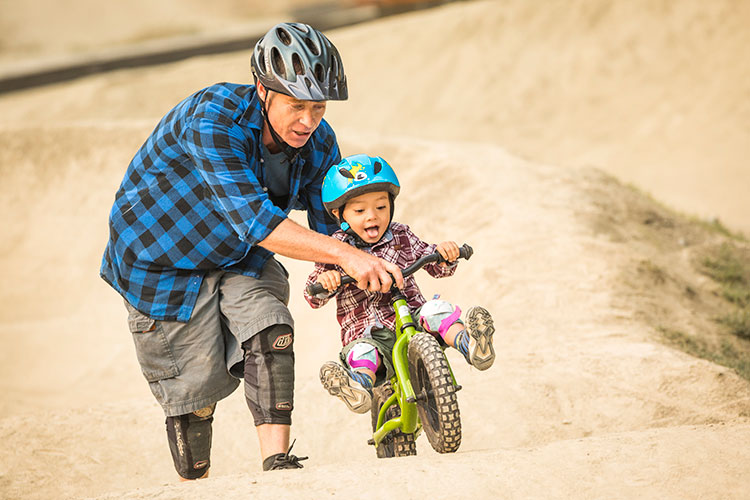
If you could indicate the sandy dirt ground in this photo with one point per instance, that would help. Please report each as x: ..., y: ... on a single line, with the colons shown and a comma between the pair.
x: 504, y: 120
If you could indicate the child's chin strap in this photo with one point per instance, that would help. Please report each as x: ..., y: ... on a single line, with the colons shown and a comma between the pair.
x: 358, y: 242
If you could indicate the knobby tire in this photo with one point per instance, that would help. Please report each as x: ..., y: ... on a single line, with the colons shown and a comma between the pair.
x: 437, y: 403
x: 396, y: 443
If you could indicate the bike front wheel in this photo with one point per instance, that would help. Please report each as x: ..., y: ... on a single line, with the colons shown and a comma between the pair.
x: 437, y: 403
x: 396, y: 443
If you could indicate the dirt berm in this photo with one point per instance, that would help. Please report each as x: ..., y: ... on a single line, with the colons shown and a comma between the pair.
x: 584, y: 400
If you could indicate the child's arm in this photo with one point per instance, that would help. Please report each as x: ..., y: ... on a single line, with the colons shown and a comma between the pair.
x: 327, y: 275
x: 448, y: 249
x: 331, y: 280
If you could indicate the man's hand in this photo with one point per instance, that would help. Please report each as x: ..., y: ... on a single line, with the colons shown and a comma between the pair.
x: 371, y: 272
x: 296, y: 242
x: 449, y: 251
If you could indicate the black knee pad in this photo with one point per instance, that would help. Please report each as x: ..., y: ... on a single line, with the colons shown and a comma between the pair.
x: 269, y: 375
x: 190, y: 442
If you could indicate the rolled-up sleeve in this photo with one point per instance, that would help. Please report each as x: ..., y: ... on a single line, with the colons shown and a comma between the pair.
x: 218, y: 149
x: 422, y: 249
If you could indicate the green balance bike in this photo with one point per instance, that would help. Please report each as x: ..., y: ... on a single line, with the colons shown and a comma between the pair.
x: 422, y: 393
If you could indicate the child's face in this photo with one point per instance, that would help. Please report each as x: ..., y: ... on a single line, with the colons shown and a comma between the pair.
x: 368, y: 215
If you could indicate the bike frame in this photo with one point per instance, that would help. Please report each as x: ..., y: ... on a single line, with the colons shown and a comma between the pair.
x: 403, y: 392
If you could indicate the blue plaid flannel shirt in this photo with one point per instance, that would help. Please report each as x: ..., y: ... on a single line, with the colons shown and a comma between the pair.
x: 193, y: 200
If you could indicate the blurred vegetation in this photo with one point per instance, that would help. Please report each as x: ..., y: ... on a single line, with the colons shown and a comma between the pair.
x: 729, y: 352
x: 730, y: 268
x: 728, y: 265
x: 716, y: 225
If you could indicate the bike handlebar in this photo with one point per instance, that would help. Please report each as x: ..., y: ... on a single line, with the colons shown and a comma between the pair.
x: 465, y: 252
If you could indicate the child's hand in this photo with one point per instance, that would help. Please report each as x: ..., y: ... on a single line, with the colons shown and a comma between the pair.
x: 449, y: 251
x: 330, y: 280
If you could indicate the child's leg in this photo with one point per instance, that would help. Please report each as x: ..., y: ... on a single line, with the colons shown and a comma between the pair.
x: 474, y: 341
x: 363, y: 358
x: 479, y: 329
x: 451, y: 335
x: 442, y: 318
x: 353, y: 382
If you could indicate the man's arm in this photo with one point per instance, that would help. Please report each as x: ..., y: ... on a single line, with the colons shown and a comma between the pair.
x: 296, y: 242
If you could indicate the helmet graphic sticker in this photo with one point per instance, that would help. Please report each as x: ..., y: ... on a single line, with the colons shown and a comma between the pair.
x: 356, y: 175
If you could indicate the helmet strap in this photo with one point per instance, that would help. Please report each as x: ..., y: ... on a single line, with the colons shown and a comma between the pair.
x: 392, y: 198
x: 290, y: 152
x: 359, y: 242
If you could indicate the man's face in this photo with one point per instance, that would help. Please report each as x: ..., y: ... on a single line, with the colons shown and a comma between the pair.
x: 292, y: 119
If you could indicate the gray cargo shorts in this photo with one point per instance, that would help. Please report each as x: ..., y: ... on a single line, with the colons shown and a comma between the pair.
x: 192, y: 365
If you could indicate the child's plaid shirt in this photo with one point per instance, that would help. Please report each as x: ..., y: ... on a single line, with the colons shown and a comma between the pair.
x: 359, y: 309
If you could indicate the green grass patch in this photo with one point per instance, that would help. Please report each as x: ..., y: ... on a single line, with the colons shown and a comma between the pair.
x: 717, y: 226
x: 713, y: 224
x: 738, y: 323
x: 731, y: 269
x: 732, y: 353
x: 729, y: 266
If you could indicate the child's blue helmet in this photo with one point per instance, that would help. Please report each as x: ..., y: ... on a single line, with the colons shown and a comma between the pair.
x: 356, y: 175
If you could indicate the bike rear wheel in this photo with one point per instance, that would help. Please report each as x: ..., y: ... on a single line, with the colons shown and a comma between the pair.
x: 396, y: 443
x: 437, y: 403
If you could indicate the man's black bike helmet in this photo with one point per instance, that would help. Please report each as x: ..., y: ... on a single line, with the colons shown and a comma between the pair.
x: 297, y: 60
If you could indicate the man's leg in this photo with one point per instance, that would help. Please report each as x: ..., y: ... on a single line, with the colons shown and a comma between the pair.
x: 269, y: 392
x: 185, y: 366
x: 273, y: 438
x: 190, y: 442
x: 261, y: 329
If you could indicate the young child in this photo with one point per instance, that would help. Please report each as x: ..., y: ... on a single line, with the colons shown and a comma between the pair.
x: 359, y: 193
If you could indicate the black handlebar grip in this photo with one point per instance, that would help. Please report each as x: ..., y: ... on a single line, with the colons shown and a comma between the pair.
x: 465, y: 252
x: 316, y: 290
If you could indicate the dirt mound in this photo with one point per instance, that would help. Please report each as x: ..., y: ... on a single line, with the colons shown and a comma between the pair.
x: 575, y: 367
x: 46, y: 30
x: 584, y: 400
x: 654, y: 93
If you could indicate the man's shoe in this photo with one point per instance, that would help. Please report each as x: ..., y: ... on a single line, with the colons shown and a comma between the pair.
x: 281, y: 461
x: 480, y: 328
x: 354, y: 389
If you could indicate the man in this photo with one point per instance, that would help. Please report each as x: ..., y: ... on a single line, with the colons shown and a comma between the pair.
x: 201, y: 211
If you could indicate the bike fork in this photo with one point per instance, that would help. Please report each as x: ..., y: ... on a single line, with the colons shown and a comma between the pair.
x: 403, y: 392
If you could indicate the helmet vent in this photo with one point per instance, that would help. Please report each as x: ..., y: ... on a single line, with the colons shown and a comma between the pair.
x: 284, y: 36
x: 291, y: 52
x: 260, y: 59
x: 319, y: 72
x: 277, y: 62
x: 312, y: 46
x: 346, y: 173
x: 299, y: 68
x: 334, y: 67
x: 377, y: 167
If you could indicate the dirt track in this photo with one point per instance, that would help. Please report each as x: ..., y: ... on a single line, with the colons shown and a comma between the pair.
x: 582, y: 401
